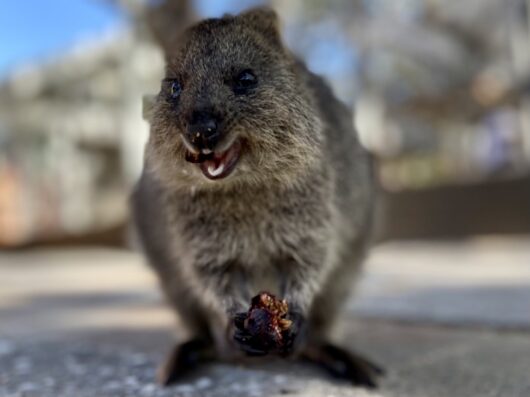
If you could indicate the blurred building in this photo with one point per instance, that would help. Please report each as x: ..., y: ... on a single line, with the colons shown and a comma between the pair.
x: 72, y: 138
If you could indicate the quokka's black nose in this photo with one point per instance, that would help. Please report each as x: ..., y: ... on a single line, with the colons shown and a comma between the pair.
x: 203, y: 130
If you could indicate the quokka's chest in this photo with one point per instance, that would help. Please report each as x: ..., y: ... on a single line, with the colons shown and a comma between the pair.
x: 250, y: 236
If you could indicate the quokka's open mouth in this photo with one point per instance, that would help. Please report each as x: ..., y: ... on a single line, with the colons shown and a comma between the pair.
x: 216, y: 165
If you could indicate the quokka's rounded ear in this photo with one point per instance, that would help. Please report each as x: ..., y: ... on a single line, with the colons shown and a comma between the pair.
x: 264, y: 20
x: 167, y: 21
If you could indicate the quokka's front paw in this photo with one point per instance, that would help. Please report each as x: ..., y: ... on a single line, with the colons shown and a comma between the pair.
x: 268, y: 327
x: 254, y: 335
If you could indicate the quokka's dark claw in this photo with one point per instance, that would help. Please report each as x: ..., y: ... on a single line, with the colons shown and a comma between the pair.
x: 239, y: 320
x: 183, y: 359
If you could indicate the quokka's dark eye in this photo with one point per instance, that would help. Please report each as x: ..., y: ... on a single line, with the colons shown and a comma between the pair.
x: 244, y: 82
x: 174, y: 88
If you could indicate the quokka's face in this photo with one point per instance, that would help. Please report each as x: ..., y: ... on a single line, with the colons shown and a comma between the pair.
x: 231, y: 108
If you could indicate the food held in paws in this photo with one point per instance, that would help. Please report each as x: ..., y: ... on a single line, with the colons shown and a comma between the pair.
x: 267, y: 319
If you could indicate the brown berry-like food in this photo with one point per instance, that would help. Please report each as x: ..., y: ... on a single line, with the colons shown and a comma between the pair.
x: 267, y: 320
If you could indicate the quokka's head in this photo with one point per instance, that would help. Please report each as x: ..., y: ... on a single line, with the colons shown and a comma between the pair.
x: 232, y: 108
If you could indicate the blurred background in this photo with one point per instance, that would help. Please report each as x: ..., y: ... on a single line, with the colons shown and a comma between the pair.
x: 441, y: 91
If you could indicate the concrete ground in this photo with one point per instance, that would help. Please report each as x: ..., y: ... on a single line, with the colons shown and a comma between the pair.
x: 445, y: 319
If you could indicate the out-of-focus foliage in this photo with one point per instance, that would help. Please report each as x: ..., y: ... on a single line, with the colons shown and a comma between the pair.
x: 440, y: 87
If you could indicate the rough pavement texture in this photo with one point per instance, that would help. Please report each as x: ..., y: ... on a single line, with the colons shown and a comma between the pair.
x: 89, y: 323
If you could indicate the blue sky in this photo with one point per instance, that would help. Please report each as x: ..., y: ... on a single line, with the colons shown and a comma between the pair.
x: 36, y: 29
x: 33, y: 29
x: 216, y: 8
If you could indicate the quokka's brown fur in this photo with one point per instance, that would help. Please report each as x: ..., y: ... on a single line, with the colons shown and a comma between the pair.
x: 294, y: 218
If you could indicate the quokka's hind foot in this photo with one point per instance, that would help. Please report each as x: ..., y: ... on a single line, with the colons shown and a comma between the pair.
x: 183, y: 359
x: 343, y: 364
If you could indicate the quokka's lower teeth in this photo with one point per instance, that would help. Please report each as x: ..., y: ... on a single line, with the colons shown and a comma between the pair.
x: 213, y: 171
